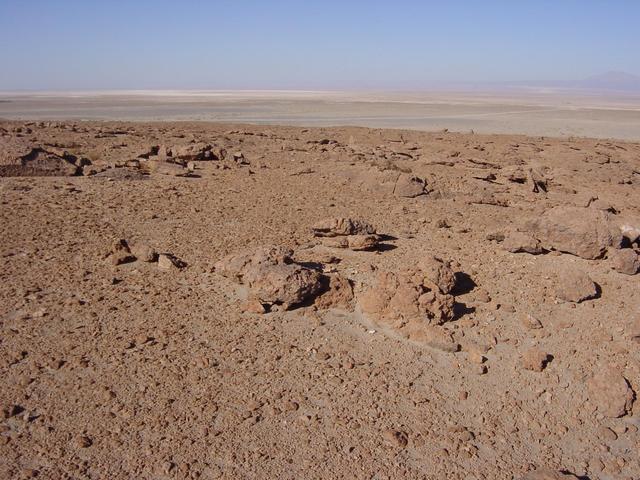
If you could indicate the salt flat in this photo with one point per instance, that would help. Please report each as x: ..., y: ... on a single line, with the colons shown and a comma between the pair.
x: 532, y: 112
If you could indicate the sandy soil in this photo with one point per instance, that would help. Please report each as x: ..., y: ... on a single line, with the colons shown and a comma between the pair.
x: 133, y: 346
x: 549, y: 112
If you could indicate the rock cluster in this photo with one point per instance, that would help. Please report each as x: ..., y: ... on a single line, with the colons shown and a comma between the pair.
x: 44, y: 163
x: 347, y: 233
x: 121, y: 252
x: 184, y: 153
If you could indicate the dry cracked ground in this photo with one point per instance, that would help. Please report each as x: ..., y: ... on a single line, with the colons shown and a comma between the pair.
x: 190, y: 300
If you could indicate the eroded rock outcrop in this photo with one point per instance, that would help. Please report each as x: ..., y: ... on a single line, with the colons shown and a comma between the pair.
x: 413, y: 299
x: 44, y: 163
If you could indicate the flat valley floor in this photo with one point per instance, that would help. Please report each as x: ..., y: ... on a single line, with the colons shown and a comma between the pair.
x: 517, y: 111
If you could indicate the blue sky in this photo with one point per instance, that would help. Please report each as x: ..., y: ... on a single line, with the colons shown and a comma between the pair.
x: 58, y: 44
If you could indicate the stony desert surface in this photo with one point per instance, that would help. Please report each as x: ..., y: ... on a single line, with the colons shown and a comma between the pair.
x: 529, y: 111
x: 201, y: 300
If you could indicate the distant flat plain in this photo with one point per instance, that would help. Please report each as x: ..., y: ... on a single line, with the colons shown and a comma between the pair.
x: 532, y: 112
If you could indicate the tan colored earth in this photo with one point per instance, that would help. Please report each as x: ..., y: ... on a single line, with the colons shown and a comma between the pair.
x: 194, y: 300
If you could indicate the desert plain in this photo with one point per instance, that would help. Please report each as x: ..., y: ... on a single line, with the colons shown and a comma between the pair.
x: 186, y: 299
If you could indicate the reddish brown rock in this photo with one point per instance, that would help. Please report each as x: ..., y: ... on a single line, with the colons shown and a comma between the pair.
x: 272, y: 276
x: 535, y: 360
x: 119, y: 253
x: 42, y: 163
x: 432, y: 336
x: 413, y: 300
x: 395, y: 438
x: 548, y: 474
x: 610, y: 392
x: 333, y: 227
x: 575, y: 286
x: 346, y: 233
x: 144, y: 253
x: 438, y: 272
x: 585, y: 232
x: 400, y: 297
x: 625, y: 261
x: 352, y: 242
x: 409, y: 186
x: 167, y: 261
x: 338, y: 293
x: 519, y: 242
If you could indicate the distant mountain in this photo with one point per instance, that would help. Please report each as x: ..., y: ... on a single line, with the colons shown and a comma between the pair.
x: 621, y: 81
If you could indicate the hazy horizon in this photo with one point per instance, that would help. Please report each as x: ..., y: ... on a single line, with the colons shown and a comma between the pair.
x: 332, y: 46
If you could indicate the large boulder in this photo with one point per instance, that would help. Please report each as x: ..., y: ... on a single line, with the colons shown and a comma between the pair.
x: 417, y: 295
x: 271, y: 275
x: 585, y: 232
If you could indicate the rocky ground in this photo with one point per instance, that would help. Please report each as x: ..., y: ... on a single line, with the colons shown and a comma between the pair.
x: 220, y: 301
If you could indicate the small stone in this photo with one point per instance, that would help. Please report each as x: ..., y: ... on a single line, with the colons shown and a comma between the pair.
x: 144, y: 253
x: 535, y: 360
x: 482, y: 296
x: 548, y: 474
x: 83, y: 441
x: 530, y: 322
x: 610, y: 392
x: 119, y: 253
x: 435, y: 337
x: 625, y: 261
x: 518, y: 242
x: 395, y: 438
x: 334, y: 227
x: 253, y: 306
x: 239, y: 158
x: 575, y: 286
x: 167, y: 261
x: 607, y: 434
x: 12, y: 411
x: 409, y: 186
x: 476, y: 357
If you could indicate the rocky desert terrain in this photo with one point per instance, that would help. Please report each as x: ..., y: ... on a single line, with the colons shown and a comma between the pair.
x: 201, y: 300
